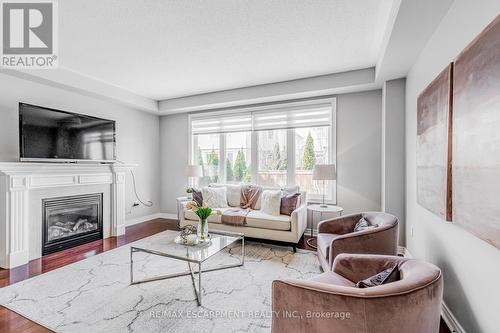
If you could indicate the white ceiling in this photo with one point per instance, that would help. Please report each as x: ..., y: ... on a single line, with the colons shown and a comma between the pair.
x: 165, y: 49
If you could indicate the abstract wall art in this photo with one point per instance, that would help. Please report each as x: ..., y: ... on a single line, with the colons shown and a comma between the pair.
x: 476, y: 136
x: 433, y: 150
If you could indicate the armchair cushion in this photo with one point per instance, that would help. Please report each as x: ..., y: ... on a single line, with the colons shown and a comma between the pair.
x: 333, y: 278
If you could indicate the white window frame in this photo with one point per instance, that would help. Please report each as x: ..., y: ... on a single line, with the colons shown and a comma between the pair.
x: 291, y: 158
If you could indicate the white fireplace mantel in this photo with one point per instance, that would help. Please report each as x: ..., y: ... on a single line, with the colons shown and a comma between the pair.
x: 19, y: 181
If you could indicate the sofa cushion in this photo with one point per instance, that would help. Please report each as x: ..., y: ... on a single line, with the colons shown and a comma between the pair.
x: 333, y: 278
x: 258, y: 204
x: 271, y: 202
x: 215, y: 196
x: 233, y: 193
x: 197, y: 197
x: 290, y: 190
x: 289, y: 203
x: 324, y: 242
x: 259, y: 219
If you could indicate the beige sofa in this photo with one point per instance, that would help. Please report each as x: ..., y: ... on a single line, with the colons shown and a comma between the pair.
x: 282, y: 228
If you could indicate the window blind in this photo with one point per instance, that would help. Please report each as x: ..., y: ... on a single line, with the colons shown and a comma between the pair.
x: 279, y: 117
x: 207, y: 124
x: 293, y: 117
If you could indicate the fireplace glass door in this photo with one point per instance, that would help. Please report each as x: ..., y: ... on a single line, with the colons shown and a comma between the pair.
x: 71, y: 221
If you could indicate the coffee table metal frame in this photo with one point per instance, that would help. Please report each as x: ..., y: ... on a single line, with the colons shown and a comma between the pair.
x: 197, y: 291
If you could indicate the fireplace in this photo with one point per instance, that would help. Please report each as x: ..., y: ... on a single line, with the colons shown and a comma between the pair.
x: 71, y: 221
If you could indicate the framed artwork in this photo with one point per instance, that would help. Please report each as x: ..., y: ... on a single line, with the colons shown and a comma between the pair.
x: 433, y: 145
x: 476, y: 136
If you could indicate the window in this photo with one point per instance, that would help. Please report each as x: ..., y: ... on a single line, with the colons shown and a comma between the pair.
x: 276, y: 145
x: 272, y: 158
x: 312, y: 146
x: 207, y: 154
x: 238, y: 157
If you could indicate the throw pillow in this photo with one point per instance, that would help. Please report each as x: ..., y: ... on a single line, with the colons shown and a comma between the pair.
x: 291, y: 189
x: 289, y: 203
x: 363, y: 224
x: 233, y: 195
x: 271, y: 202
x: 197, y: 197
x: 214, y: 197
x: 258, y: 205
x: 386, y: 276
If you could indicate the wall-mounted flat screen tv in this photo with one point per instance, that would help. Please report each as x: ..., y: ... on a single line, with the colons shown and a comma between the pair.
x: 60, y: 136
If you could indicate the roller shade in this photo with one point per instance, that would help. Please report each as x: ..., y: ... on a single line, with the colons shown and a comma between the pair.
x: 221, y: 124
x: 302, y: 116
x: 279, y: 117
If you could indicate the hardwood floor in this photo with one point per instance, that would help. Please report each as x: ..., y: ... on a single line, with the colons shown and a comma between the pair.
x: 11, y: 322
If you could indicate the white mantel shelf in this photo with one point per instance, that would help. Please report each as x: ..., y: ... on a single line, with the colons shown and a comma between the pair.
x: 19, y: 180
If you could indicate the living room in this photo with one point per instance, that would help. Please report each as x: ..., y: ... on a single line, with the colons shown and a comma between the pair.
x: 256, y: 166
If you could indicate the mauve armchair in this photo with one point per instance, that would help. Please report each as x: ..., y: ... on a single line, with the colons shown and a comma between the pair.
x: 332, y: 303
x: 336, y: 236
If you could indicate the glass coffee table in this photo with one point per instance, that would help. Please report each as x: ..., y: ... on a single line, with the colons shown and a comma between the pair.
x: 191, y: 254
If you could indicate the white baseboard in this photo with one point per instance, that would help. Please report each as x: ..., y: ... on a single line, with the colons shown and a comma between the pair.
x: 145, y: 218
x: 170, y: 216
x: 448, y: 317
x: 450, y: 320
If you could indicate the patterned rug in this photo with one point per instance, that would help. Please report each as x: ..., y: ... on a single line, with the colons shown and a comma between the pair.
x: 94, y: 295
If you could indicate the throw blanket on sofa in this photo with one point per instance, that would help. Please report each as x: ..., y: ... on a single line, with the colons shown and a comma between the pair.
x: 250, y: 194
x: 235, y: 216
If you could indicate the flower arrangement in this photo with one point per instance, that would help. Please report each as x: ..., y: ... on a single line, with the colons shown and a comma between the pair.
x: 203, y: 213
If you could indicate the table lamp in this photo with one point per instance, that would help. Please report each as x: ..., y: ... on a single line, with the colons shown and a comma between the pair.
x: 324, y: 172
x: 193, y: 171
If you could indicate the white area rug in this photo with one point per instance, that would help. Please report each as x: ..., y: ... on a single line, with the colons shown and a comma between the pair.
x: 94, y: 295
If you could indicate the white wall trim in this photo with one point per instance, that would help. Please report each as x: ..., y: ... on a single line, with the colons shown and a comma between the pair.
x: 450, y: 320
x: 150, y: 217
x: 171, y: 216
x: 142, y: 219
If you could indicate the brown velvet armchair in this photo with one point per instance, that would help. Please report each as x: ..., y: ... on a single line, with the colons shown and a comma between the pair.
x: 331, y: 303
x: 336, y: 236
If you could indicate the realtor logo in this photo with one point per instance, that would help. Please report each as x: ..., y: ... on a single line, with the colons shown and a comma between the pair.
x: 29, y: 34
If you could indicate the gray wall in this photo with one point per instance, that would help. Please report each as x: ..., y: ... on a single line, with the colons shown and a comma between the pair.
x: 393, y: 151
x: 358, y: 153
x: 468, y: 263
x: 174, y: 138
x: 137, y: 132
x: 359, y: 149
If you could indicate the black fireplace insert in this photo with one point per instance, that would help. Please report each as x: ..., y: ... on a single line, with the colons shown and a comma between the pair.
x: 71, y: 221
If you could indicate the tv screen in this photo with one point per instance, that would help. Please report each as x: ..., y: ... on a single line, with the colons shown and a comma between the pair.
x: 47, y: 134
